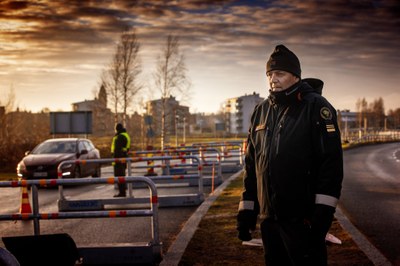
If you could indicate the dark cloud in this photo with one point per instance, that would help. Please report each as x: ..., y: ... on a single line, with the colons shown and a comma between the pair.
x: 351, y: 22
x: 13, y: 5
x: 353, y: 36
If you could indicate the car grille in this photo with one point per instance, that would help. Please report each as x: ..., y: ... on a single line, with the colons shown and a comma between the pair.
x: 41, y: 168
x: 37, y: 171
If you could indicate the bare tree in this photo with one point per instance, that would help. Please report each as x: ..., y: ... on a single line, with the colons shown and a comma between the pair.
x: 362, y: 109
x: 121, y: 76
x: 7, y: 105
x: 394, y: 118
x: 377, y: 110
x: 170, y: 77
x: 131, y: 69
x: 371, y: 115
x: 110, y: 80
x: 9, y: 101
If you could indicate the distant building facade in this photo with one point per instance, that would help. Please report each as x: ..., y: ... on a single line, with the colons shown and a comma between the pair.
x: 177, y: 116
x: 102, y: 117
x: 238, y: 111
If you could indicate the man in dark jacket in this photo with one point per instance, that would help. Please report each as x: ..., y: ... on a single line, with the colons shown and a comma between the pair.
x: 293, y: 167
x: 119, y: 149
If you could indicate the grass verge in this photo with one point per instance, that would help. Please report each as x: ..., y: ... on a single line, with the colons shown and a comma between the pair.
x: 8, y: 176
x: 215, y: 241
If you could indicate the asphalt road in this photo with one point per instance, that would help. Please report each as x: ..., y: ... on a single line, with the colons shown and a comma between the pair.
x: 371, y: 195
x: 99, y: 231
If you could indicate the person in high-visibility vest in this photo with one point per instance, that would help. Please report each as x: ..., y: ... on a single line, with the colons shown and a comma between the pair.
x: 119, y: 149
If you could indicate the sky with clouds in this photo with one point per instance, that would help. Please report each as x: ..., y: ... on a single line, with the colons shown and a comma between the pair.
x: 52, y: 52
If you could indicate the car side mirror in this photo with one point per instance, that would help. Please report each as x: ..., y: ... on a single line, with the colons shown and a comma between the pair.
x: 84, y: 152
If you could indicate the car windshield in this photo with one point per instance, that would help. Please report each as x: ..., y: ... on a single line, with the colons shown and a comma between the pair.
x: 55, y: 147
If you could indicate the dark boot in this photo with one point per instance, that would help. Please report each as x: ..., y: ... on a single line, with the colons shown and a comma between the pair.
x: 122, y: 191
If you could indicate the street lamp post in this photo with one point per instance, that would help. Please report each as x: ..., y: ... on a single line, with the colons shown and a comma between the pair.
x: 176, y: 129
x: 184, y: 130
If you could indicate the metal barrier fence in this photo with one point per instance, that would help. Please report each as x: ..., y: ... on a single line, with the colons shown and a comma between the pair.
x: 231, y: 153
x: 210, y: 158
x: 360, y: 137
x: 188, y: 199
x: 183, y: 151
x: 227, y: 157
x: 150, y: 252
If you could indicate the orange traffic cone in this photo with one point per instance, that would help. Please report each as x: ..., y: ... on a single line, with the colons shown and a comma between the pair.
x: 25, y: 205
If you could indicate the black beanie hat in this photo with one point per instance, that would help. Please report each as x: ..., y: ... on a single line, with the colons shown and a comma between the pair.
x: 284, y: 59
x: 119, y: 127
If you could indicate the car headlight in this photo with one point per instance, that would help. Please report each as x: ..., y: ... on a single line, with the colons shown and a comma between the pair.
x: 66, y: 169
x: 21, y: 168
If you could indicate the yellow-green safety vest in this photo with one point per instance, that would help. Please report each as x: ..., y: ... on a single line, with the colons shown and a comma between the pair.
x: 128, y: 142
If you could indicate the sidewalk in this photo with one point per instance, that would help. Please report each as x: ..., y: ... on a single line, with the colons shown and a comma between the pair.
x: 209, y: 237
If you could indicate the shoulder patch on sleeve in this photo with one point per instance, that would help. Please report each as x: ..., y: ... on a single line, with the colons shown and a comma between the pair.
x: 325, y: 113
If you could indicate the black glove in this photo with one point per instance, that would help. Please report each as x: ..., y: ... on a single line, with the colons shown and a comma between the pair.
x: 246, y: 221
x: 321, y: 220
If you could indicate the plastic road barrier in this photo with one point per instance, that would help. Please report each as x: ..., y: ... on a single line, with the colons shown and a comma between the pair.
x: 210, y: 158
x: 169, y: 200
x: 232, y: 154
x: 151, y: 252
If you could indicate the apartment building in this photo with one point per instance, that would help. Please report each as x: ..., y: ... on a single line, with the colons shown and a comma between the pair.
x: 238, y: 111
x: 176, y: 116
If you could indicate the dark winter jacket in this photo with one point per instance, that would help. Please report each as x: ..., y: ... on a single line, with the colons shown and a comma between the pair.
x: 294, y: 156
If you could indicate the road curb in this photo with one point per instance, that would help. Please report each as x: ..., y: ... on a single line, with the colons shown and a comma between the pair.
x: 362, y: 242
x: 176, y: 250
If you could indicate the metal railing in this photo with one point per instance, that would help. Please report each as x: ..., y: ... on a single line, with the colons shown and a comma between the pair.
x: 188, y: 199
x: 151, y: 251
x: 361, y: 137
x: 131, y: 160
x: 232, y: 152
x: 36, y: 215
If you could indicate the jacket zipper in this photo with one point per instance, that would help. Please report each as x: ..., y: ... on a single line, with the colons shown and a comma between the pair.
x: 267, y: 130
x: 321, y: 141
x: 280, y: 126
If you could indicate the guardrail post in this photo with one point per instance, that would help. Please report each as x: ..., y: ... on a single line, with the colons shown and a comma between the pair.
x: 167, y: 167
x: 129, y: 174
x: 200, y: 171
x: 35, y: 210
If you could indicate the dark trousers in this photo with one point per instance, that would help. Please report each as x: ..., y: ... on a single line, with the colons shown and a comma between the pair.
x: 291, y: 243
x: 119, y: 170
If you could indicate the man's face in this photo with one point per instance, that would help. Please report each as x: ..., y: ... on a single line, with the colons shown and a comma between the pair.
x: 280, y: 80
